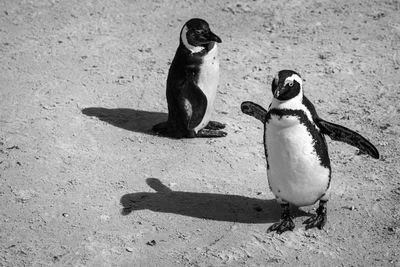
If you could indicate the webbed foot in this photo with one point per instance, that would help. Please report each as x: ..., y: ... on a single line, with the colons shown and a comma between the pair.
x: 215, y: 125
x: 319, y: 220
x: 282, y: 226
x: 285, y: 224
x: 210, y: 133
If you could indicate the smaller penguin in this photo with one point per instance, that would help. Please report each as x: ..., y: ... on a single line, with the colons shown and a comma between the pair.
x: 298, y: 164
x: 192, y: 84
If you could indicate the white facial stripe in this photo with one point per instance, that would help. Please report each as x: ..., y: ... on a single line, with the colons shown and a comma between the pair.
x: 292, y: 78
x: 193, y: 49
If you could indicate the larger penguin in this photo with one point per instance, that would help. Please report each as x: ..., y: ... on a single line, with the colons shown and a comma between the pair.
x: 298, y: 165
x: 192, y: 84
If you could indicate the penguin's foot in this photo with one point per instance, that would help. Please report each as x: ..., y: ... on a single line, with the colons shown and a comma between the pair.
x: 285, y: 224
x: 215, y: 125
x: 282, y: 226
x: 318, y: 220
x: 210, y: 133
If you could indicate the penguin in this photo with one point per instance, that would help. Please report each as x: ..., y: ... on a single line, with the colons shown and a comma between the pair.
x: 298, y: 164
x: 192, y: 84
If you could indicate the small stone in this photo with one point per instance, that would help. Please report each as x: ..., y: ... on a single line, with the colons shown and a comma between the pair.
x: 151, y: 243
x: 396, y: 191
x: 65, y: 214
x: 384, y: 126
x: 129, y: 249
x: 104, y: 217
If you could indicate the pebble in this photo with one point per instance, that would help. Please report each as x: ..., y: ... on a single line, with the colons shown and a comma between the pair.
x: 151, y: 243
x: 129, y: 249
x: 394, y: 229
x: 104, y: 217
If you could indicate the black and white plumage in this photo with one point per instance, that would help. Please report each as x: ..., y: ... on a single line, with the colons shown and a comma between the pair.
x: 192, y: 84
x: 298, y: 165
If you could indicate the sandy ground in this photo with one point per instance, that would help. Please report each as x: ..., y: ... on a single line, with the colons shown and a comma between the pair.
x: 82, y: 82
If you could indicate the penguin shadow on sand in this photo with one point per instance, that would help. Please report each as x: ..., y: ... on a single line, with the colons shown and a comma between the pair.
x: 128, y: 119
x: 211, y: 206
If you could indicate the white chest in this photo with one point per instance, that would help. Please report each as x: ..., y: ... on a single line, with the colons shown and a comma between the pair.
x: 208, y: 82
x: 295, y: 173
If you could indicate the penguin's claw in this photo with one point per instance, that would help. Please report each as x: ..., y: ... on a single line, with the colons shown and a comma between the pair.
x: 210, y: 133
x: 282, y: 226
x: 215, y: 125
x: 316, y: 221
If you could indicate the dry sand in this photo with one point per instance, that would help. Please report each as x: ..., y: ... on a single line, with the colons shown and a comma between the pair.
x: 82, y: 82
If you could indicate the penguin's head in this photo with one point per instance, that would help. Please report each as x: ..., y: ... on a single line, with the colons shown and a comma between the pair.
x: 196, y: 35
x: 287, y: 85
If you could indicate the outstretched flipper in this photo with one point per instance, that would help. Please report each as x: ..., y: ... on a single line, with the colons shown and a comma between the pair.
x: 343, y: 134
x: 254, y: 110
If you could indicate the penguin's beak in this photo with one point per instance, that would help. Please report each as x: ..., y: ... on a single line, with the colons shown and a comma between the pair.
x: 280, y: 91
x: 213, y: 37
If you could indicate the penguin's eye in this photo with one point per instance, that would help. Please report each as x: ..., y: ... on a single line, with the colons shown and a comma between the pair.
x: 198, y: 32
x: 290, y: 83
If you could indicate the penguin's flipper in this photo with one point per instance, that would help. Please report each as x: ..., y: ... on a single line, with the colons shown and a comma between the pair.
x: 197, y: 101
x: 343, y: 134
x: 252, y: 109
